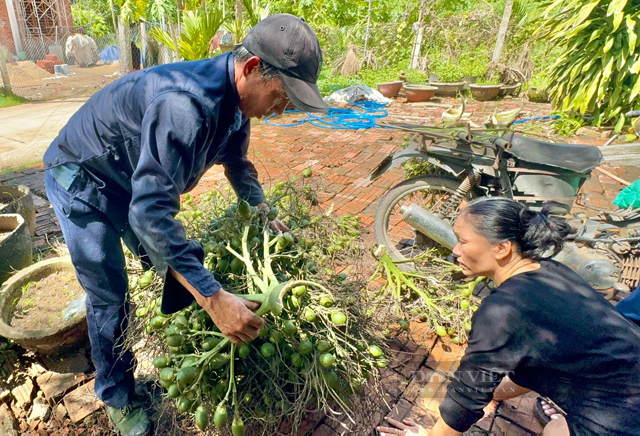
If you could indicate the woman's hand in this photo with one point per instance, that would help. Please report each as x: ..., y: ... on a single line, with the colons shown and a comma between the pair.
x: 407, y: 427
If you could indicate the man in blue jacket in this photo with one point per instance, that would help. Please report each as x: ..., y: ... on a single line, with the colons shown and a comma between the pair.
x: 117, y: 169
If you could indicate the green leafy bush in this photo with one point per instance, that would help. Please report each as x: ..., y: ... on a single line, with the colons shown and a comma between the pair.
x: 447, y: 70
x: 474, y: 63
x: 567, y: 124
x: 94, y: 24
x: 488, y: 81
x: 598, y: 69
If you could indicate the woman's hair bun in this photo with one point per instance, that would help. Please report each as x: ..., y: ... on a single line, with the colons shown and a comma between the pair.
x: 537, y: 234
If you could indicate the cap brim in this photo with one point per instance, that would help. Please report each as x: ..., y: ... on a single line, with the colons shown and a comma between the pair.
x: 304, y: 95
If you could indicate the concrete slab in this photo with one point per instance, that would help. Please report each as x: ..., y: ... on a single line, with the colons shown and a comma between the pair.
x: 27, y: 130
x: 622, y: 154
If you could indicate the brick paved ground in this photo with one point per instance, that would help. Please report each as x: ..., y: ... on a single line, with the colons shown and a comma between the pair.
x: 341, y: 160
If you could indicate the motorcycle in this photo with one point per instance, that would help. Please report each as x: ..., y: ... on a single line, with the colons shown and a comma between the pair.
x: 417, y: 214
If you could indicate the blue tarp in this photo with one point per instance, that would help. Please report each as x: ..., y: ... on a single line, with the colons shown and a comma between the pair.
x: 110, y: 54
x: 630, y: 306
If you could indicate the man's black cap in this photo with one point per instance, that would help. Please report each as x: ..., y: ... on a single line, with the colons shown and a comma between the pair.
x: 288, y: 43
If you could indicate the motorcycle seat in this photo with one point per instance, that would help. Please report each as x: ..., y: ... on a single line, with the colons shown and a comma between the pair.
x: 573, y: 157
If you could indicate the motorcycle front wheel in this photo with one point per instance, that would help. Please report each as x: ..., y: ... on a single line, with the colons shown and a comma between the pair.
x: 430, y: 192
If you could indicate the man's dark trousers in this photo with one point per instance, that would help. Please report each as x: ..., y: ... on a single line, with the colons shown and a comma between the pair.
x: 96, y: 252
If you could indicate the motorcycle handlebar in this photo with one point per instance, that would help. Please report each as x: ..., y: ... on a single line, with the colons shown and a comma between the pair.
x: 501, y: 143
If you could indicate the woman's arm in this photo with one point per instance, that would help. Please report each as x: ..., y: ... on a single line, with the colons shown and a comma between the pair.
x: 497, y: 345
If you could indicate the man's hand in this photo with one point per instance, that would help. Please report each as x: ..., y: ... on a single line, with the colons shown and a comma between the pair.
x: 231, y: 314
x: 407, y: 427
x: 276, y: 225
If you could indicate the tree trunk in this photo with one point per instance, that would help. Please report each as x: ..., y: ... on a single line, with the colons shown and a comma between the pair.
x: 6, y: 90
x: 124, y: 42
x: 238, y: 21
x: 144, y: 39
x: 174, y: 37
x: 113, y: 16
x: 502, y: 32
x: 417, y: 42
x: 366, y: 35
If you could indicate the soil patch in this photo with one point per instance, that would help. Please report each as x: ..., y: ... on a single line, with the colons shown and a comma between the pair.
x: 32, y: 82
x: 26, y: 71
x: 42, y: 302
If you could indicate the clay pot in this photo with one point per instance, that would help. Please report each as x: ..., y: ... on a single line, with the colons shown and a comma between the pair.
x: 390, y: 89
x: 16, y: 249
x: 509, y: 90
x: 18, y: 199
x: 419, y: 92
x: 448, y: 89
x: 484, y: 92
x: 55, y: 340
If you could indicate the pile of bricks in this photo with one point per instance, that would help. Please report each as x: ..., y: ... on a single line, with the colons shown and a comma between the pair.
x: 48, y: 64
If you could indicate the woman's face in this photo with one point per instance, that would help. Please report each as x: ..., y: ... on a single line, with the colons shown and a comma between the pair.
x: 476, y: 255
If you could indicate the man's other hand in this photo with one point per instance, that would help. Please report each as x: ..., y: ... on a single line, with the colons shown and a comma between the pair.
x: 276, y: 225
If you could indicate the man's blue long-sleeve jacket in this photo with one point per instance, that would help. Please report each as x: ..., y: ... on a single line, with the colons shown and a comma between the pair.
x: 147, y: 138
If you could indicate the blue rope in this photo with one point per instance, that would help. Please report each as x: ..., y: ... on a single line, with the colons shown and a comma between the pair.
x: 363, y: 116
x: 526, y: 120
x: 294, y: 111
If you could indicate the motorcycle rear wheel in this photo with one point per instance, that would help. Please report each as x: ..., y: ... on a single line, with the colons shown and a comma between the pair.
x: 430, y: 192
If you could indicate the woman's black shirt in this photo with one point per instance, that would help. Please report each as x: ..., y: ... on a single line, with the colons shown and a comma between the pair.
x: 552, y: 333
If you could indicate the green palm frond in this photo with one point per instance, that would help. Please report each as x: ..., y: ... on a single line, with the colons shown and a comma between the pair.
x: 197, y: 30
x: 599, y: 70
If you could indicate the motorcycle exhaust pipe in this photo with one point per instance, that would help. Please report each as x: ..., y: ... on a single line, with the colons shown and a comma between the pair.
x: 429, y: 225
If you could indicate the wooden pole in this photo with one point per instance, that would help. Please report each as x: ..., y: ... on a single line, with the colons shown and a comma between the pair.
x: 612, y: 176
x: 417, y: 41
